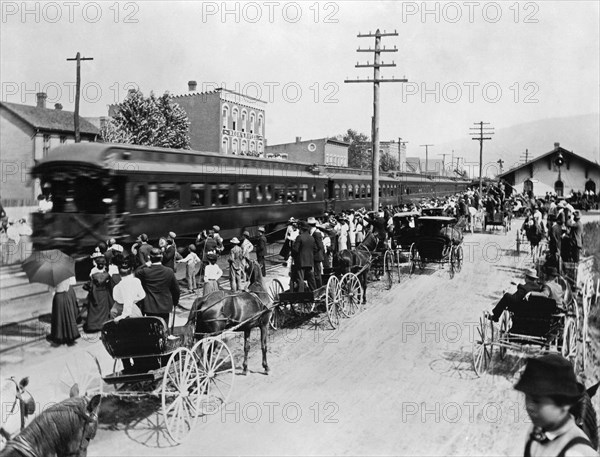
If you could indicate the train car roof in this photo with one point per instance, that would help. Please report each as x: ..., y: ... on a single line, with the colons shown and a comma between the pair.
x: 437, y: 218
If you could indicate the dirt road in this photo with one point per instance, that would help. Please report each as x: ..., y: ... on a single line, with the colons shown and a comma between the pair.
x: 394, y: 379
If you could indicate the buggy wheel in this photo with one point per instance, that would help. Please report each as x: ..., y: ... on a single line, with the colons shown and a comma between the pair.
x: 388, y: 267
x: 483, y: 346
x: 503, y: 333
x: 414, y: 258
x: 83, y: 370
x: 459, y: 258
x: 333, y: 299
x: 518, y: 250
x: 569, y: 340
x: 277, y: 319
x: 217, y: 373
x: 452, y: 262
x: 351, y: 294
x: 180, y: 394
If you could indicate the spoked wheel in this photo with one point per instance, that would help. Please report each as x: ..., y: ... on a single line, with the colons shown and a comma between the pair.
x: 351, y: 294
x: 414, y: 258
x: 83, y: 370
x: 452, y: 268
x: 388, y: 267
x: 569, y: 340
x: 459, y: 258
x: 503, y: 333
x: 277, y: 319
x: 483, y: 346
x: 333, y: 301
x: 217, y: 373
x: 181, y: 394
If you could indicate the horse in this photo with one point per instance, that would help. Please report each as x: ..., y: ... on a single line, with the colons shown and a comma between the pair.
x: 585, y: 415
x: 347, y: 261
x: 64, y: 429
x: 222, y: 310
x: 22, y: 406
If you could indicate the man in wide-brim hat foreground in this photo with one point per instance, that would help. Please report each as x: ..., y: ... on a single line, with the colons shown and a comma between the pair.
x: 551, y: 389
x: 513, y: 301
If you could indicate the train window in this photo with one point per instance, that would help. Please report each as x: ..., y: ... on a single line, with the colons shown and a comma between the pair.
x: 303, y: 193
x: 268, y: 192
x: 313, y: 190
x: 344, y: 193
x: 407, y: 190
x: 350, y: 191
x: 336, y: 191
x: 392, y: 188
x: 259, y: 193
x: 153, y: 196
x: 292, y: 194
x: 197, y: 198
x: 168, y: 196
x: 243, y: 194
x: 219, y: 194
x: 140, y: 197
x: 279, y: 193
x: 381, y: 190
x: 368, y: 190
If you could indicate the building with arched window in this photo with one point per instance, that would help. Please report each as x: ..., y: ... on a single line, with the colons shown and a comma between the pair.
x: 323, y: 151
x: 224, y: 121
x: 542, y: 174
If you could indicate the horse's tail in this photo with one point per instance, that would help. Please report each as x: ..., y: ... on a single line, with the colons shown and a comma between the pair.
x: 196, y: 306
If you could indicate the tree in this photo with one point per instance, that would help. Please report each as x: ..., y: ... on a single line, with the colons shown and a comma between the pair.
x: 387, y: 162
x: 359, y: 155
x: 148, y: 121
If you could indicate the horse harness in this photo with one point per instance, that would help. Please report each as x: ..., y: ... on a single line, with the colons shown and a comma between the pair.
x: 27, y: 407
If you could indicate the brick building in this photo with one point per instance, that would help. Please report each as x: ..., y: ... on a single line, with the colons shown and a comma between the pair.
x: 224, y: 121
x: 541, y: 174
x: 323, y: 151
x: 27, y: 134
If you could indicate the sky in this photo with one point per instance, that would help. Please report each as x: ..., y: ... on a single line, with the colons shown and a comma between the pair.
x: 501, y: 62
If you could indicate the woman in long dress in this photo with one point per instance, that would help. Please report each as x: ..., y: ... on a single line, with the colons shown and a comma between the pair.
x: 100, y: 299
x: 212, y: 274
x: 63, y: 328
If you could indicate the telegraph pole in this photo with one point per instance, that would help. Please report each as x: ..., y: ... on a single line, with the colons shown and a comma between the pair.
x: 78, y: 58
x: 426, y: 146
x: 444, y: 161
x: 481, y: 138
x: 401, y: 145
x: 526, y: 153
x: 500, y: 162
x: 377, y: 64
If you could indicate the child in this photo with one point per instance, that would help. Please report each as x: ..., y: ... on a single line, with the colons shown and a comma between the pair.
x: 551, y: 389
x: 212, y: 274
x: 191, y: 260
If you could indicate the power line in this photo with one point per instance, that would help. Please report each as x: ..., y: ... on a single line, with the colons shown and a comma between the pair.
x: 377, y: 79
x: 426, y: 146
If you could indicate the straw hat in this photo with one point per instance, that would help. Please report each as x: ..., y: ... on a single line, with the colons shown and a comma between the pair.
x: 234, y: 240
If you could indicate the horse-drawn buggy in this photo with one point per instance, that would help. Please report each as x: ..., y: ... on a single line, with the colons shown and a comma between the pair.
x: 439, y: 242
x: 497, y: 217
x: 404, y: 235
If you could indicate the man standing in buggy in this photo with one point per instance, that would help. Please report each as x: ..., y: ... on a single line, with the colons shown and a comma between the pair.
x: 551, y: 390
x: 304, y: 249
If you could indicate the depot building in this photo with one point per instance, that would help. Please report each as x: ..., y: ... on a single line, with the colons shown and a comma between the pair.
x: 558, y: 171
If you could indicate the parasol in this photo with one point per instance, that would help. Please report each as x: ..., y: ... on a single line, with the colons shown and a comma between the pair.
x: 49, y: 267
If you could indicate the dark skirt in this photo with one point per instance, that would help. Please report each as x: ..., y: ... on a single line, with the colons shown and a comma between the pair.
x: 210, y: 287
x: 64, y: 317
x: 100, y: 302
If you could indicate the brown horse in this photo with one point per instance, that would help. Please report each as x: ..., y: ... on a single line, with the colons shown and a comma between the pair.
x: 19, y: 408
x: 223, y: 310
x: 347, y: 261
x: 64, y: 429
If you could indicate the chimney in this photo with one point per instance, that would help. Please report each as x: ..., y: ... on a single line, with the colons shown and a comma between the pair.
x: 556, y: 146
x: 192, y: 86
x: 58, y: 106
x: 41, y: 99
x: 298, y: 139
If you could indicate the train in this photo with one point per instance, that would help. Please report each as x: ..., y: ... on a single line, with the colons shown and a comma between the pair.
x: 102, y: 190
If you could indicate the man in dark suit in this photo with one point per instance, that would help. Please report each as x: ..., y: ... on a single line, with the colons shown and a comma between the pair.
x: 576, y: 236
x: 143, y: 250
x: 261, y: 250
x: 168, y: 259
x: 303, y: 251
x: 513, y: 301
x: 320, y: 253
x: 161, y: 287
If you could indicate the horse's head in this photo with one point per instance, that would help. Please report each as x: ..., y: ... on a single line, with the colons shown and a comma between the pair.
x: 585, y: 415
x: 370, y: 242
x: 254, y: 274
x: 85, y: 420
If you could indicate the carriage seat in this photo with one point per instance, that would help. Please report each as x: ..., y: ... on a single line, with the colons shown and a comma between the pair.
x: 137, y: 337
x: 433, y: 247
x: 535, y: 317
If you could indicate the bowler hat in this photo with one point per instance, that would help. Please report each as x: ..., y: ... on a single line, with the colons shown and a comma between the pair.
x: 550, y: 375
x: 246, y: 233
x: 143, y: 237
x: 312, y: 221
x: 234, y: 240
x: 155, y: 253
x: 117, y: 247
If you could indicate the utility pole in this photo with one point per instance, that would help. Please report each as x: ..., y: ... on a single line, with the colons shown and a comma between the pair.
x: 526, y: 153
x: 444, y: 162
x: 479, y: 136
x: 78, y: 58
x: 426, y: 155
x: 500, y: 162
x: 377, y: 64
x: 400, y: 148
